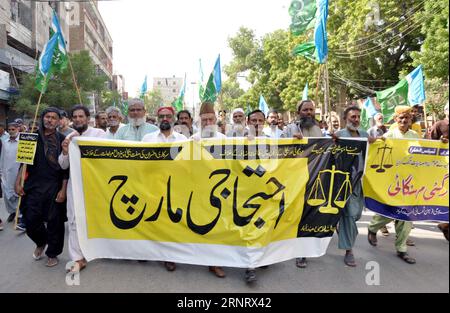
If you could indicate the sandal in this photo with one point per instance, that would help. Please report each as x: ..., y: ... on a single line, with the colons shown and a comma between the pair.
x: 52, y: 262
x: 349, y: 260
x: 405, y: 257
x: 38, y: 252
x: 372, y: 238
x: 301, y: 263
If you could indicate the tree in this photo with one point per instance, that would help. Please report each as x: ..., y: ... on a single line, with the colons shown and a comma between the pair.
x: 110, y: 98
x: 433, y: 54
x: 61, y: 91
x: 153, y: 100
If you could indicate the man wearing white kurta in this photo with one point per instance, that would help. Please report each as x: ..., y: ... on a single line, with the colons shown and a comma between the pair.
x: 80, y: 117
x: 9, y: 169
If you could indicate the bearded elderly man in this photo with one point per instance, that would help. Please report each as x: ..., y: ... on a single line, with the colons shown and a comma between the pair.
x: 238, y: 127
x: 137, y: 126
x: 306, y: 125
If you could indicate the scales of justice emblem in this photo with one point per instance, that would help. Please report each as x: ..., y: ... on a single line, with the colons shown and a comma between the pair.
x: 317, y: 197
x: 385, y: 162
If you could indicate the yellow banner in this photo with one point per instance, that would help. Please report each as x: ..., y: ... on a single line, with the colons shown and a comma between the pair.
x: 189, y: 200
x: 408, y: 179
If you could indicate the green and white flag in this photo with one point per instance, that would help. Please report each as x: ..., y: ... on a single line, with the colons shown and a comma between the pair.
x: 178, y: 104
x: 409, y: 91
x: 303, y: 14
x: 214, y: 84
x: 53, y: 58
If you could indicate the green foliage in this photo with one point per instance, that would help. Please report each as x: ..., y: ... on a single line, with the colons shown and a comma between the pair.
x: 61, y: 91
x: 153, y: 100
x: 374, y: 53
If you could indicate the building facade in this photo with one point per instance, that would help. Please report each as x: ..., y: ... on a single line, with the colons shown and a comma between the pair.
x: 169, y: 87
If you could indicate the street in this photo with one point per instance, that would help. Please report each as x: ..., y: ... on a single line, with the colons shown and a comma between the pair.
x: 328, y: 274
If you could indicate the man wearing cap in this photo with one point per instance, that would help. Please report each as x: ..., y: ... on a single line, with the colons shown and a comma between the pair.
x: 415, y: 125
x: 44, y: 192
x: 8, y: 172
x: 166, y: 122
x: 306, y: 125
x: 208, y: 130
x: 238, y: 127
x: 137, y: 126
x: 440, y: 132
x: 403, y: 117
x: 80, y: 117
x: 208, y: 123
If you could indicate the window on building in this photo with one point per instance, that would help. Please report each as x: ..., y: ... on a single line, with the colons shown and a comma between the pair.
x: 14, y: 10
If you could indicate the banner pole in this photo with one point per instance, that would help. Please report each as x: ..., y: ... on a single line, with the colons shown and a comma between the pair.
x: 74, y: 79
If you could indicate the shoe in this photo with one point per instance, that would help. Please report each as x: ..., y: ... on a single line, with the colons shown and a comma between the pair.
x: 171, y: 267
x: 250, y: 276
x: 1, y: 225
x: 21, y: 227
x: 443, y: 227
x: 301, y: 263
x: 52, y: 262
x: 11, y: 217
x: 349, y: 259
x: 384, y: 231
x: 38, y: 252
x: 410, y: 243
x: 218, y: 271
x: 405, y: 257
x: 372, y: 238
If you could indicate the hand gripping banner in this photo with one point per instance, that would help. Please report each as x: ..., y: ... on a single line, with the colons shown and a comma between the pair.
x: 234, y: 202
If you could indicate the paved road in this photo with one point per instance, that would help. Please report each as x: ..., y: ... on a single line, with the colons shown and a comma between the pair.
x: 20, y: 273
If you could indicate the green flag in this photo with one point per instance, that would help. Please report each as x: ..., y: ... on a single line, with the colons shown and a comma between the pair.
x: 391, y: 98
x: 307, y: 50
x: 210, y: 93
x: 303, y: 15
x: 53, y: 58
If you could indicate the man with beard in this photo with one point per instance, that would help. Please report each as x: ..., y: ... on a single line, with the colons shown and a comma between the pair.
x: 8, y: 173
x: 166, y: 124
x: 403, y: 118
x: 101, y: 121
x: 379, y: 129
x: 164, y: 135
x: 208, y: 123
x: 272, y: 131
x: 348, y: 230
x: 208, y: 130
x: 415, y: 125
x: 44, y: 191
x: 80, y: 118
x: 114, y: 122
x: 306, y: 125
x: 137, y: 126
x: 185, y: 123
x: 238, y: 127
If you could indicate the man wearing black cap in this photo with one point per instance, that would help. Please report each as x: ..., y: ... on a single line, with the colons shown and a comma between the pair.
x: 44, y: 192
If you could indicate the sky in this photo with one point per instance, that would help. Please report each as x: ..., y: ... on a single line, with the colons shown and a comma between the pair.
x: 163, y: 38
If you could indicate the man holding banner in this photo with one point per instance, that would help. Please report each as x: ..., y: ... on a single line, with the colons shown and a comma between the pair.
x: 403, y: 118
x: 44, y: 192
x: 80, y: 117
x: 306, y: 125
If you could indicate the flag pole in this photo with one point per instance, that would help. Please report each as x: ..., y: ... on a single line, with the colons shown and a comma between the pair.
x: 24, y: 167
x: 74, y: 79
x: 318, y: 83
